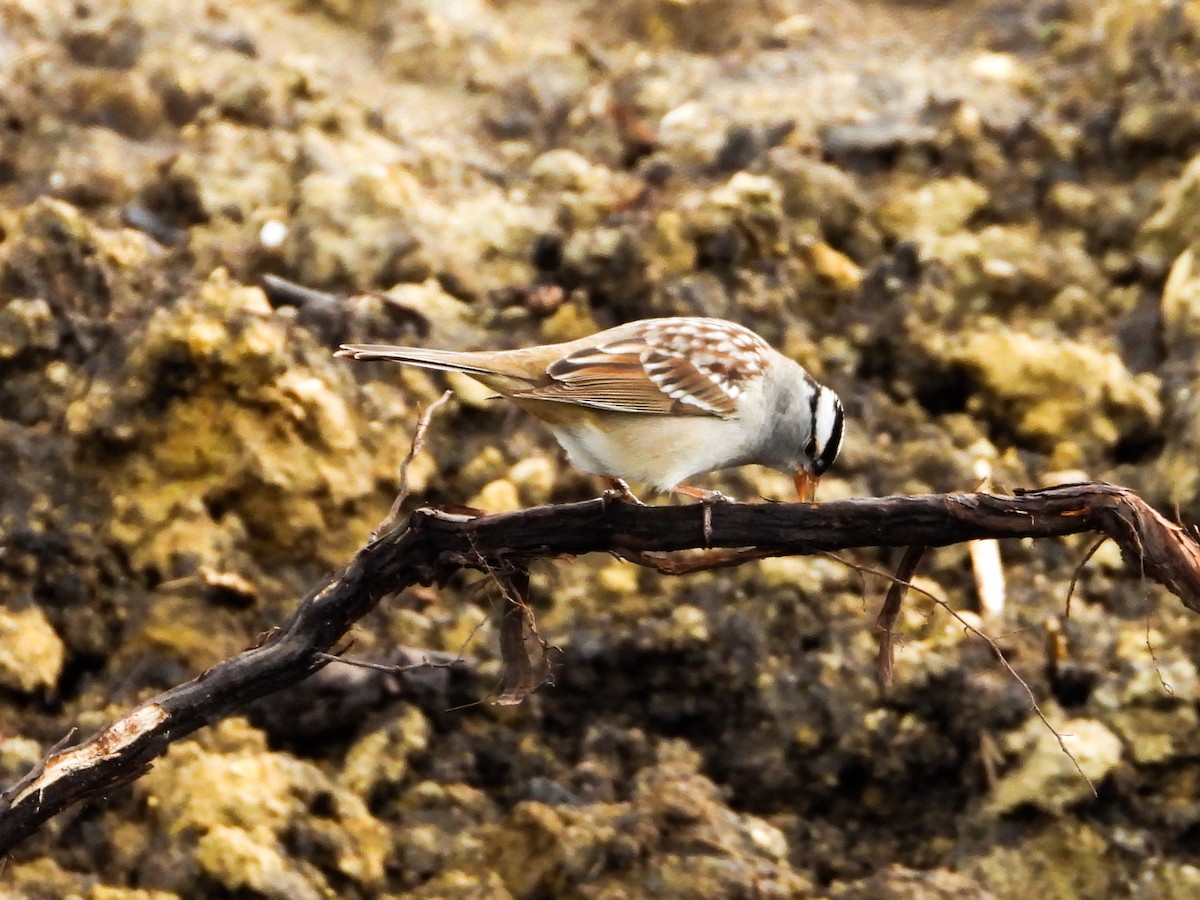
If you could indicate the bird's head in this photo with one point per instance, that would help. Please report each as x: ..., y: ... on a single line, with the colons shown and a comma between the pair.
x: 823, y: 443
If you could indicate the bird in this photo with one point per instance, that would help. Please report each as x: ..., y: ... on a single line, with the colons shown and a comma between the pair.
x: 659, y: 401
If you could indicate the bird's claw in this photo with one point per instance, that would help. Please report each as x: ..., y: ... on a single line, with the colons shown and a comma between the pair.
x: 619, y: 490
x: 612, y: 495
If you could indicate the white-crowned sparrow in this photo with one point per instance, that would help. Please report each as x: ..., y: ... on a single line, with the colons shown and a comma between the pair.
x: 660, y: 400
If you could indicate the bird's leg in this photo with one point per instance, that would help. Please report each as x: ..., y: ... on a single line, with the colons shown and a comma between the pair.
x: 618, y: 490
x: 707, y: 498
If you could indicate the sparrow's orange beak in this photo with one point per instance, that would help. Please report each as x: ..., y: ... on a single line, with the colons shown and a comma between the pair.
x: 806, y: 486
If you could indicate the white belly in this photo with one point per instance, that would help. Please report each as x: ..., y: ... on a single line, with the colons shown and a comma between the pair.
x: 660, y: 451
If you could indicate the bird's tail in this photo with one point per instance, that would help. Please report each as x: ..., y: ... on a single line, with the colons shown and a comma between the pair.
x: 486, y: 367
x: 442, y: 360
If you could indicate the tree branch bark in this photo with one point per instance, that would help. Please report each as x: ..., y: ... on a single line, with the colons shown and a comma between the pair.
x: 430, y: 546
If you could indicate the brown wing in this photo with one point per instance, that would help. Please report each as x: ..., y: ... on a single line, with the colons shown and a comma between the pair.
x: 682, y: 366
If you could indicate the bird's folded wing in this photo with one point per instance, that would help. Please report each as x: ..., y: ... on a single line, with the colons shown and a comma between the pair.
x: 634, y: 377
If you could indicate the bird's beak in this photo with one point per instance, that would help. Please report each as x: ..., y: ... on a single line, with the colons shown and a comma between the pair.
x: 806, y: 486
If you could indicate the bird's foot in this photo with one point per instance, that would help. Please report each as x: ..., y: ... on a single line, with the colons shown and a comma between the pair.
x: 619, y: 490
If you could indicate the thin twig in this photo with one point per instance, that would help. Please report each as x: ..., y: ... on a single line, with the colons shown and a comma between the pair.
x: 451, y: 662
x: 516, y: 620
x: 1154, y: 659
x: 519, y: 678
x: 885, y: 622
x: 1079, y: 571
x: 706, y: 562
x: 392, y: 519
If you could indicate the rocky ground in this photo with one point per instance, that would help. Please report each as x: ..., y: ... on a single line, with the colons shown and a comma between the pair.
x: 977, y: 220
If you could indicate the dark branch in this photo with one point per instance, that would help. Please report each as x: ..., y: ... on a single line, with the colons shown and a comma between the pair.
x: 430, y: 546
